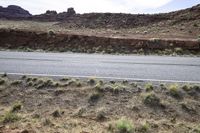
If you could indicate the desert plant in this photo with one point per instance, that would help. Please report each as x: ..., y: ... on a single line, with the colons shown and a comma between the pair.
x: 9, y: 117
x: 124, y: 126
x: 94, y: 97
x: 178, y: 50
x: 151, y: 99
x: 2, y: 81
x: 56, y: 113
x: 16, y: 107
x: 91, y: 81
x: 144, y: 127
x: 101, y: 115
x: 16, y: 82
x: 174, y: 90
x: 149, y: 87
x: 4, y: 75
x: 198, y: 38
x: 186, y: 88
x: 98, y: 87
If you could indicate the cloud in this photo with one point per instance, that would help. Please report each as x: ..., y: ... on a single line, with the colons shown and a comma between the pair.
x: 84, y: 6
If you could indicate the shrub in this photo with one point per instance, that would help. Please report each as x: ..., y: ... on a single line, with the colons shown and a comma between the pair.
x: 2, y: 81
x: 101, y: 115
x: 178, y: 50
x: 94, y: 97
x: 23, y: 77
x: 30, y: 83
x: 196, y: 88
x: 151, y: 99
x: 124, y: 126
x: 149, y: 87
x: 144, y: 127
x: 98, y: 87
x: 16, y: 82
x: 16, y: 107
x: 91, y: 81
x: 56, y: 113
x: 10, y: 117
x: 198, y: 38
x: 163, y: 87
x: 185, y: 88
x: 4, y: 75
x: 174, y: 90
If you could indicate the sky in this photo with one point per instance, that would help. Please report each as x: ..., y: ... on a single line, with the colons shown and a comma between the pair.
x: 114, y: 6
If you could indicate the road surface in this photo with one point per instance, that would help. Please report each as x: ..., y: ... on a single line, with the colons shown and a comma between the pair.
x: 143, y: 68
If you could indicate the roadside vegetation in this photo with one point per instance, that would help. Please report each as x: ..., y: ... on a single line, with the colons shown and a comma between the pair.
x: 30, y: 104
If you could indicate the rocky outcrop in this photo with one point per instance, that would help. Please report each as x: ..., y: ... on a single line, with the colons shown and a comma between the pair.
x: 54, y: 16
x: 13, y: 11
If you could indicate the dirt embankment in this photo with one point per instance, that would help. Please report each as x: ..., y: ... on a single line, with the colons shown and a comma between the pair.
x: 41, y: 105
x: 18, y: 39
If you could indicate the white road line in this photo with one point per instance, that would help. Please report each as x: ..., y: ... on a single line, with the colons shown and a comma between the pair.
x: 108, y: 78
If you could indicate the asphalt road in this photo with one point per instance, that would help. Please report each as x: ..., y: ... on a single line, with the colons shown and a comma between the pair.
x: 144, y: 68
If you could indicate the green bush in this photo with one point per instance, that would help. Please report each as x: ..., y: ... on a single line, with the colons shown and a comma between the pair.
x: 10, y: 117
x: 149, y: 87
x: 16, y: 82
x: 94, y: 97
x: 151, y: 99
x: 124, y: 126
x: 174, y: 90
x: 16, y: 107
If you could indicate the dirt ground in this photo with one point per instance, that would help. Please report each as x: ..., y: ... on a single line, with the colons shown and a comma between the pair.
x: 185, y: 30
x: 41, y: 105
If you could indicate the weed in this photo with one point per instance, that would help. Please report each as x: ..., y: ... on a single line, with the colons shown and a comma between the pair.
x: 94, y: 97
x: 10, y: 117
x: 125, y: 82
x: 4, y: 75
x: 124, y: 126
x: 149, y: 87
x: 196, y: 88
x: 178, y: 50
x: 59, y: 92
x: 144, y: 128
x: 99, y: 86
x: 79, y: 112
x: 64, y: 79
x: 133, y: 84
x: 23, y: 77
x: 30, y: 83
x: 151, y: 99
x: 101, y: 115
x: 163, y: 87
x: 91, y: 81
x: 16, y: 82
x: 56, y: 113
x: 47, y: 122
x: 198, y: 38
x: 174, y: 90
x: 186, y: 88
x: 16, y: 107
x: 2, y: 81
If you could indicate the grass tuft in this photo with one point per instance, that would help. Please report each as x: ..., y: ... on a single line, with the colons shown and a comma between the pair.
x: 124, y: 126
x: 16, y: 82
x: 2, y: 81
x: 94, y: 96
x: 149, y: 87
x: 174, y: 90
x: 16, y: 107
x: 9, y: 117
x: 151, y: 99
